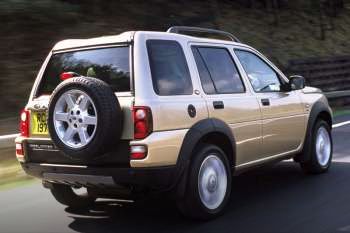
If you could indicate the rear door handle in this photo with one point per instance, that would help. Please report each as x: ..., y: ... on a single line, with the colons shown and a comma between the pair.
x: 218, y: 105
x: 265, y: 102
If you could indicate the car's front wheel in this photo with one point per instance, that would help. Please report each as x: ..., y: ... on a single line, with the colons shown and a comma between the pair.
x: 72, y: 197
x: 209, y: 184
x: 321, y: 149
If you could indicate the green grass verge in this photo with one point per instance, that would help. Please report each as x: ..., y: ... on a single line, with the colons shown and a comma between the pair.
x: 11, y: 173
x: 17, y: 183
x: 341, y: 112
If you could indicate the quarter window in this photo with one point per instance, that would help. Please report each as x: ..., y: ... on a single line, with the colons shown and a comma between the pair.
x: 169, y: 68
x: 217, y: 71
x: 262, y: 77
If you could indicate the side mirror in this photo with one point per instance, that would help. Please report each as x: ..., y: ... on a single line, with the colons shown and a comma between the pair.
x: 296, y: 82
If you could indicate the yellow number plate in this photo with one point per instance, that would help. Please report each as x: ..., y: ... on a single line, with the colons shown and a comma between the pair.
x: 39, y: 123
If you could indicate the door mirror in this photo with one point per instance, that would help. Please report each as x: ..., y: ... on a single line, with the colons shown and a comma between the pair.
x: 296, y: 82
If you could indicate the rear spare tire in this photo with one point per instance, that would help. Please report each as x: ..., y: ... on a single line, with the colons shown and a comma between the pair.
x: 85, y: 118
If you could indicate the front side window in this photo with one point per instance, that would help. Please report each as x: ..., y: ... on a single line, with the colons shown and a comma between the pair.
x: 108, y: 64
x: 262, y: 77
x: 170, y: 74
x: 217, y: 71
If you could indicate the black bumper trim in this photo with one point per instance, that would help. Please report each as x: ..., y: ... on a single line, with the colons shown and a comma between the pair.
x: 147, y: 177
x: 80, y: 180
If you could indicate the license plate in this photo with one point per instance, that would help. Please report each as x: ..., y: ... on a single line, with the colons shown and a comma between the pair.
x: 39, y: 123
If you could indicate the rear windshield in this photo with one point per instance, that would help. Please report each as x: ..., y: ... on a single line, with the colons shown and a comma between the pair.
x: 108, y: 64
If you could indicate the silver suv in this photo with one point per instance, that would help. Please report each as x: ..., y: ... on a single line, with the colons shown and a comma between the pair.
x: 147, y: 112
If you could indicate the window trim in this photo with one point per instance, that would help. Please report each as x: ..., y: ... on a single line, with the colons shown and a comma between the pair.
x: 233, y: 61
x: 280, y: 79
x: 206, y: 67
x: 148, y: 41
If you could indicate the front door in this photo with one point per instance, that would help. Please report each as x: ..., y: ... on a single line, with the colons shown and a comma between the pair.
x: 282, y: 112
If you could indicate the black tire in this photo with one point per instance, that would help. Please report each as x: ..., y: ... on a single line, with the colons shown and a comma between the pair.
x: 65, y: 195
x: 109, y: 121
x: 191, y: 205
x: 313, y: 165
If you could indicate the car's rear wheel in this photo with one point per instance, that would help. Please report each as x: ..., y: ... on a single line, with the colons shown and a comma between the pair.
x: 321, y: 149
x: 72, y: 196
x: 209, y: 184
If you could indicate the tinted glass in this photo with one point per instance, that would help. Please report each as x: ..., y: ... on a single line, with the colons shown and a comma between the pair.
x: 262, y: 77
x: 207, y: 82
x: 169, y: 69
x: 222, y: 70
x: 108, y: 64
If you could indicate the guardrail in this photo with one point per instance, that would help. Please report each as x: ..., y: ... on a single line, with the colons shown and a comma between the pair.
x: 337, y: 94
x: 7, y: 141
x: 338, y: 98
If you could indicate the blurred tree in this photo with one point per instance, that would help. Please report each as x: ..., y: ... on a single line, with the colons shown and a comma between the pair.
x: 216, y: 12
x: 327, y: 10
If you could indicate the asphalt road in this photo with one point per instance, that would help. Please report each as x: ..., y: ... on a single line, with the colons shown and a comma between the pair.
x: 278, y: 198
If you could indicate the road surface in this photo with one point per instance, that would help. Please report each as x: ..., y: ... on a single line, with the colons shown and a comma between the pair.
x: 278, y: 198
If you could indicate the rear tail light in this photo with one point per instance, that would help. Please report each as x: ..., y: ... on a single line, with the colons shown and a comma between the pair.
x: 19, y: 152
x: 24, y: 123
x: 138, y: 152
x: 142, y: 121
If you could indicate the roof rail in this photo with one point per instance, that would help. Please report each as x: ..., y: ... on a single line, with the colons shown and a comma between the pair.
x: 179, y: 29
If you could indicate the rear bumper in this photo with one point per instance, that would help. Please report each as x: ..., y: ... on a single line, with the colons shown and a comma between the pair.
x: 103, y: 177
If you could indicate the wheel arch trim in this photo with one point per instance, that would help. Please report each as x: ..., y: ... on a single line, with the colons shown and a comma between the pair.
x: 193, y: 137
x: 318, y: 110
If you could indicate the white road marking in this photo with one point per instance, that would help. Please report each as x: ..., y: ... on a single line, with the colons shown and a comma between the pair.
x: 341, y: 124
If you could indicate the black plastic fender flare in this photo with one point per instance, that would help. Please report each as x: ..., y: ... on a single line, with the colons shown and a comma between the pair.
x: 315, y: 112
x: 191, y: 140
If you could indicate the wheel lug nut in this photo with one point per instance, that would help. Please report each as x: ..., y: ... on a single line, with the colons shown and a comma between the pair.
x: 78, y: 112
x: 80, y: 120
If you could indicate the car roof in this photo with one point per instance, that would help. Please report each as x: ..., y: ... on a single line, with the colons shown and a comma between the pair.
x: 127, y: 37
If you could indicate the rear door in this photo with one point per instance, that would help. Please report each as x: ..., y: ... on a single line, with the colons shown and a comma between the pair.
x: 282, y: 112
x: 228, y: 99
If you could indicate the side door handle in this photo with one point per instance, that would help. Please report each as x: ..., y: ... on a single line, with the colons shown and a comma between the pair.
x: 265, y: 102
x: 218, y: 105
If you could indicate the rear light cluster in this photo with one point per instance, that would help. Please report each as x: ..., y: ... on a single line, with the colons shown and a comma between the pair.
x: 142, y: 122
x: 142, y: 117
x: 24, y: 123
x: 138, y: 152
x: 24, y: 132
x: 19, y: 152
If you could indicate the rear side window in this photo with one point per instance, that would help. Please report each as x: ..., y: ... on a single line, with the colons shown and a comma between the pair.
x: 108, y: 64
x: 170, y: 74
x: 217, y: 71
